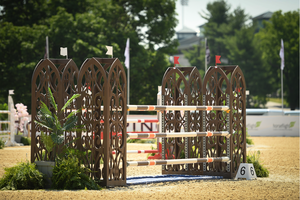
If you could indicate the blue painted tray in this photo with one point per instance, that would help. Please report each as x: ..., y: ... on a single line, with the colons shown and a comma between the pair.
x: 167, y: 178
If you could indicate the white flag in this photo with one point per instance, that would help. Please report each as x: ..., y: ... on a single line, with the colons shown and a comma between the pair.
x: 109, y: 50
x: 64, y: 51
x: 126, y: 54
x: 281, y: 54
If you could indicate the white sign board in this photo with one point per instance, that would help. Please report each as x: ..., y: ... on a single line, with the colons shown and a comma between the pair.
x: 246, y: 171
x: 281, y: 125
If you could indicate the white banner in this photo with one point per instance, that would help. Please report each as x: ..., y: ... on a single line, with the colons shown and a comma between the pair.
x: 281, y: 125
x: 133, y: 127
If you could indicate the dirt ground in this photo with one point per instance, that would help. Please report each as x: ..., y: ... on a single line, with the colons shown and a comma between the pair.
x: 280, y: 155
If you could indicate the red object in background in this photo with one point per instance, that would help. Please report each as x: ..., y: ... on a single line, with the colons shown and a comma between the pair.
x: 218, y: 59
x: 176, y: 60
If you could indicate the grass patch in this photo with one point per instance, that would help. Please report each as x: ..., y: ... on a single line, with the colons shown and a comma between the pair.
x: 278, y: 100
x: 2, y: 143
x: 260, y: 170
x: 152, y: 141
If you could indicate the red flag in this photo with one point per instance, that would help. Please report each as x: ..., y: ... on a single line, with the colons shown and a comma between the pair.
x: 218, y: 59
x: 176, y: 60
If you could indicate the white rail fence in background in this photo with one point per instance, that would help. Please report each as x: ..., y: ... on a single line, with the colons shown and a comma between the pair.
x: 8, y: 135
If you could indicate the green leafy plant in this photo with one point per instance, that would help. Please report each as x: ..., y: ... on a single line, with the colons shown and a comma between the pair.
x: 68, y: 174
x: 26, y: 140
x: 2, y: 143
x: 22, y: 176
x: 56, y: 124
x: 248, y: 140
x: 260, y: 170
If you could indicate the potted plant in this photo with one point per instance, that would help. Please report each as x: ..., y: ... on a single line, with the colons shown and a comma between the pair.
x: 57, y: 125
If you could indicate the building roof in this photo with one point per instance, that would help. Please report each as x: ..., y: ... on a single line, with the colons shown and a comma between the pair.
x: 188, y: 43
x: 266, y: 15
x: 186, y: 30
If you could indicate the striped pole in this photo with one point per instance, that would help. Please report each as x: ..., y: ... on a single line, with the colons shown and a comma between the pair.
x: 139, y: 151
x: 177, y: 134
x: 162, y: 108
x: 138, y: 121
x: 142, y: 120
x: 177, y: 161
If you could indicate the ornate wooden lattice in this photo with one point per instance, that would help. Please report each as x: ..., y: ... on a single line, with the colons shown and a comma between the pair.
x: 175, y: 88
x: 102, y: 84
x: 216, y: 91
x: 221, y: 86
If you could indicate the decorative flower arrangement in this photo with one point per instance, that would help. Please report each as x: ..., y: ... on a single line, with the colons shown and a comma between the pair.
x: 21, y: 114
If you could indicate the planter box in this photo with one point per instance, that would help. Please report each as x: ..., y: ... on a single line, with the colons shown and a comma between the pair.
x: 18, y: 138
x: 46, y: 167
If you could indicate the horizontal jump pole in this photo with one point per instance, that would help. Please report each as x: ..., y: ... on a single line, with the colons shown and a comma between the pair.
x: 177, y: 161
x: 5, y: 111
x: 4, y: 132
x: 139, y: 121
x: 162, y: 108
x: 142, y: 120
x: 139, y: 151
x: 177, y: 134
x: 4, y: 122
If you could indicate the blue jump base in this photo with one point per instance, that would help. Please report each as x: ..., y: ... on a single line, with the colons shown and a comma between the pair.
x: 166, y: 178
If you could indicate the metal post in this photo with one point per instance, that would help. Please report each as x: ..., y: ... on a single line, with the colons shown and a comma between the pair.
x: 186, y: 117
x: 230, y: 132
x: 205, y: 56
x: 159, y: 126
x: 128, y: 76
x: 162, y: 120
x: 47, y: 47
x: 204, y: 129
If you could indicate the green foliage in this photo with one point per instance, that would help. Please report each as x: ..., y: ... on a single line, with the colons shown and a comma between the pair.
x: 47, y: 141
x: 2, y: 143
x: 3, y: 116
x: 56, y: 124
x: 260, y: 170
x: 282, y: 26
x: 22, y: 176
x: 68, y: 174
x: 152, y: 154
x: 26, y: 140
x: 278, y: 100
x: 85, y: 27
x: 140, y: 141
x: 229, y: 36
x: 248, y: 140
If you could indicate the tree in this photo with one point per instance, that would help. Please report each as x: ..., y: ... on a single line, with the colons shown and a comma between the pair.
x: 282, y: 26
x: 86, y: 28
x: 244, y: 52
x: 229, y: 36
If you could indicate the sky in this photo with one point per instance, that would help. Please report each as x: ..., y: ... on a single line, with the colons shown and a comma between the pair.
x: 192, y: 18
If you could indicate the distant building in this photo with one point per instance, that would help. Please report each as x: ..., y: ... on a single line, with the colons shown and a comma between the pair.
x: 187, y: 38
x: 258, y: 20
x: 185, y: 33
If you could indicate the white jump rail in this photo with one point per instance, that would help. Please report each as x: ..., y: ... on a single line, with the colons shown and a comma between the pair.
x: 11, y: 121
x: 183, y: 108
x: 177, y: 134
x: 177, y: 161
